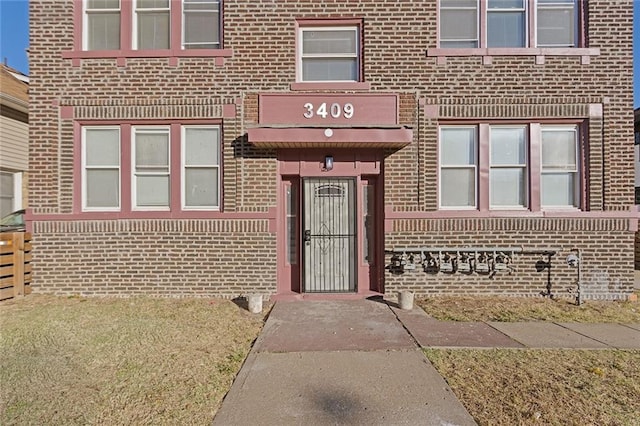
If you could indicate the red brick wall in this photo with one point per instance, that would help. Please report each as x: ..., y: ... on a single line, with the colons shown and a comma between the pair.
x: 262, y: 36
x: 604, y: 253
x: 155, y: 257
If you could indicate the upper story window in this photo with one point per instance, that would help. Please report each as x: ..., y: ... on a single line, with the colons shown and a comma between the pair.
x: 329, y: 54
x: 557, y: 23
x: 151, y: 24
x: 201, y: 24
x: 508, y: 23
x: 102, y: 24
x: 530, y: 166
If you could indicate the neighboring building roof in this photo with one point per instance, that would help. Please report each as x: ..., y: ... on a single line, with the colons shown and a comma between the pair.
x: 14, y: 88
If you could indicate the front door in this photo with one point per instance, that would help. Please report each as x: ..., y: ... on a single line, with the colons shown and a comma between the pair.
x: 329, y: 235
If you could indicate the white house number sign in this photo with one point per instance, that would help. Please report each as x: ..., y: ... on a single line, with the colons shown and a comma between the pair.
x: 324, y: 110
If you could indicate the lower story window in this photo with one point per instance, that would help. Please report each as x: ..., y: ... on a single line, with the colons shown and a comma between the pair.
x: 200, y: 167
x: 559, y: 181
x: 507, y: 174
x: 101, y: 168
x: 504, y: 166
x: 151, y: 168
x: 157, y: 168
x: 10, y: 192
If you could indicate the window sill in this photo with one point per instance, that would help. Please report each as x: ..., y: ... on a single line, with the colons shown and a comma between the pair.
x: 171, y: 54
x: 441, y: 54
x: 329, y: 85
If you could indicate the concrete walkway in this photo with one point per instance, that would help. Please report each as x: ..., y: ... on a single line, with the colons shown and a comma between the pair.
x: 359, y: 362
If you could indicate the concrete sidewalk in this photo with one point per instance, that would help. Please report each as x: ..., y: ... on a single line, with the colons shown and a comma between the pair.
x: 347, y: 362
x: 431, y: 333
x: 359, y: 362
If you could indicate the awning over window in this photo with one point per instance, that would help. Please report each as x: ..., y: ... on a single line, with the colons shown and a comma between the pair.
x: 320, y: 137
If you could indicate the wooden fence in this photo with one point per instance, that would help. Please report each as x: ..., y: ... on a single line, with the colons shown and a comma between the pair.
x: 15, y: 264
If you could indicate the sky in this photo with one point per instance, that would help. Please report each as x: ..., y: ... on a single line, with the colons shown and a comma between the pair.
x: 14, y: 39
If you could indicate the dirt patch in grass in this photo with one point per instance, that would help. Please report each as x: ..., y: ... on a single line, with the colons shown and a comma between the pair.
x: 119, y: 361
x: 556, y: 387
x: 511, y: 309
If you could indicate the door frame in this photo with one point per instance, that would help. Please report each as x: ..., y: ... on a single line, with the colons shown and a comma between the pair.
x: 365, y: 165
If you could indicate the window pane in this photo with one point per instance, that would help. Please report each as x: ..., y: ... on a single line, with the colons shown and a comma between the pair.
x: 201, y: 147
x: 153, y: 4
x: 102, y: 147
x: 103, y: 32
x: 152, y: 191
x: 459, y: 44
x: 103, y: 4
x: 506, y: 4
x: 556, y: 26
x: 508, y: 146
x: 319, y: 69
x: 329, y: 42
x: 559, y: 149
x: 458, y: 3
x: 201, y: 186
x: 458, y: 146
x: 153, y: 30
x: 456, y: 25
x: 558, y: 189
x: 152, y: 149
x: 507, y: 187
x: 6, y: 193
x: 103, y: 188
x: 368, y: 214
x: 458, y: 187
x: 201, y: 30
x: 506, y: 29
x: 292, y: 210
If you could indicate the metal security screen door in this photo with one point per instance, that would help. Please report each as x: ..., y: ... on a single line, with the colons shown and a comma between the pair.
x: 329, y: 235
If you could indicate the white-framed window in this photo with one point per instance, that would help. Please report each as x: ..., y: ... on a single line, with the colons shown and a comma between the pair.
x: 201, y: 24
x: 101, y: 20
x: 508, y: 167
x: 150, y: 168
x: 200, y: 167
x: 10, y: 192
x: 459, y: 23
x: 329, y: 53
x: 170, y: 167
x: 557, y: 23
x: 101, y: 168
x: 458, y: 166
x: 507, y: 23
x: 512, y: 166
x: 152, y: 24
x: 560, y: 186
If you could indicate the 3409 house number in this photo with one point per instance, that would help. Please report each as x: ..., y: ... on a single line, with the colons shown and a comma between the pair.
x: 334, y: 110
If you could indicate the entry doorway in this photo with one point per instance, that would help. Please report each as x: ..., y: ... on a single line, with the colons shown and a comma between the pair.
x: 330, y: 225
x: 329, y: 233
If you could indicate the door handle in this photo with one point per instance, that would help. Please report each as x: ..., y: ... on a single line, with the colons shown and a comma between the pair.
x: 307, y: 235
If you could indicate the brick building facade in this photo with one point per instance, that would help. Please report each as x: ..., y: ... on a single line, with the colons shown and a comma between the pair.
x: 313, y: 149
